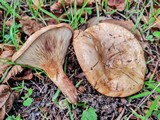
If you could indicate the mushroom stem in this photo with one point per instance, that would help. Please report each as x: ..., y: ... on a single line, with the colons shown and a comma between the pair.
x: 64, y: 84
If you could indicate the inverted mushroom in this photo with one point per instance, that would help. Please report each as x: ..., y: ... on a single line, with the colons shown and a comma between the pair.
x: 111, y: 58
x: 46, y: 49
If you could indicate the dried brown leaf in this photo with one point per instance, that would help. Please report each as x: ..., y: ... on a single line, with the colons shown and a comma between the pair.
x: 38, y: 3
x: 128, y: 24
x: 10, y: 101
x: 28, y: 76
x: 3, y: 67
x: 30, y: 26
x: 2, y: 113
x: 14, y: 71
x: 95, y: 21
x: 118, y: 4
x: 9, y: 23
x: 4, y: 94
x: 156, y: 24
x: 56, y: 8
x: 7, y: 97
x: 6, y: 52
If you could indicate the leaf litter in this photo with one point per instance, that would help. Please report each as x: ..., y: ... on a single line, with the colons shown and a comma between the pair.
x: 106, y: 107
x: 7, y: 97
x: 29, y: 26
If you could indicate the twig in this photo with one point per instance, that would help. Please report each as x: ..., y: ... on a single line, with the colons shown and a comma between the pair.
x: 121, y: 114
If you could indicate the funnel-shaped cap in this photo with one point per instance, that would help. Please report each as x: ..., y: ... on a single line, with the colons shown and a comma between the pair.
x: 46, y: 49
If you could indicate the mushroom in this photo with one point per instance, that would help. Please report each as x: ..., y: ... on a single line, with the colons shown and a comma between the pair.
x: 111, y: 58
x: 46, y: 49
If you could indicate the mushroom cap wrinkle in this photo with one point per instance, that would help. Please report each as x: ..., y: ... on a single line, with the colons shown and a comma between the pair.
x: 111, y: 58
x: 46, y: 49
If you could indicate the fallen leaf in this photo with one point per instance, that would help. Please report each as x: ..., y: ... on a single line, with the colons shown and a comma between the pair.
x: 81, y: 89
x: 128, y: 24
x: 9, y: 23
x: 3, y: 67
x: 38, y: 3
x: 4, y: 94
x: 95, y: 21
x: 6, y: 52
x: 30, y: 26
x: 57, y: 7
x: 7, y: 97
x: 2, y: 113
x: 27, y: 76
x: 156, y: 24
x: 118, y: 4
x: 14, y: 71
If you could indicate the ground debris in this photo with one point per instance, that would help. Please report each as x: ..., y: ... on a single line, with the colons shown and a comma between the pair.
x: 30, y: 26
x: 7, y: 97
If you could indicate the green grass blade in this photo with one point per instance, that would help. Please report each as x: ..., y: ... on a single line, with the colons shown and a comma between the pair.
x: 82, y: 9
x: 97, y: 10
x: 49, y: 14
x: 70, y: 112
x: 5, y: 74
x: 137, y: 115
x: 152, y: 107
x: 140, y: 95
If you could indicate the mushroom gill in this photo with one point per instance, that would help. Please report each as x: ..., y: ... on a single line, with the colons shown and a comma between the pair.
x: 111, y: 58
x: 46, y: 49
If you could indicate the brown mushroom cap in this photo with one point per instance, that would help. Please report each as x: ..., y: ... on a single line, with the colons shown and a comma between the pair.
x: 46, y: 49
x: 111, y: 58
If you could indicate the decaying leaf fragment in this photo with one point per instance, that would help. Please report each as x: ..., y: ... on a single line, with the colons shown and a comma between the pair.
x: 7, y: 97
x: 6, y: 52
x: 156, y: 24
x: 111, y: 58
x: 56, y: 8
x: 14, y: 71
x: 128, y: 24
x: 30, y: 26
x: 38, y: 3
x: 119, y: 4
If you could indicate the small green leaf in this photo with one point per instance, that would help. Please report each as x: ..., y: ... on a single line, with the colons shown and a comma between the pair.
x: 27, y: 102
x: 150, y: 38
x: 11, y: 117
x: 88, y: 10
x: 151, y: 21
x: 82, y: 20
x: 30, y: 91
x: 89, y: 114
x: 157, y: 34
